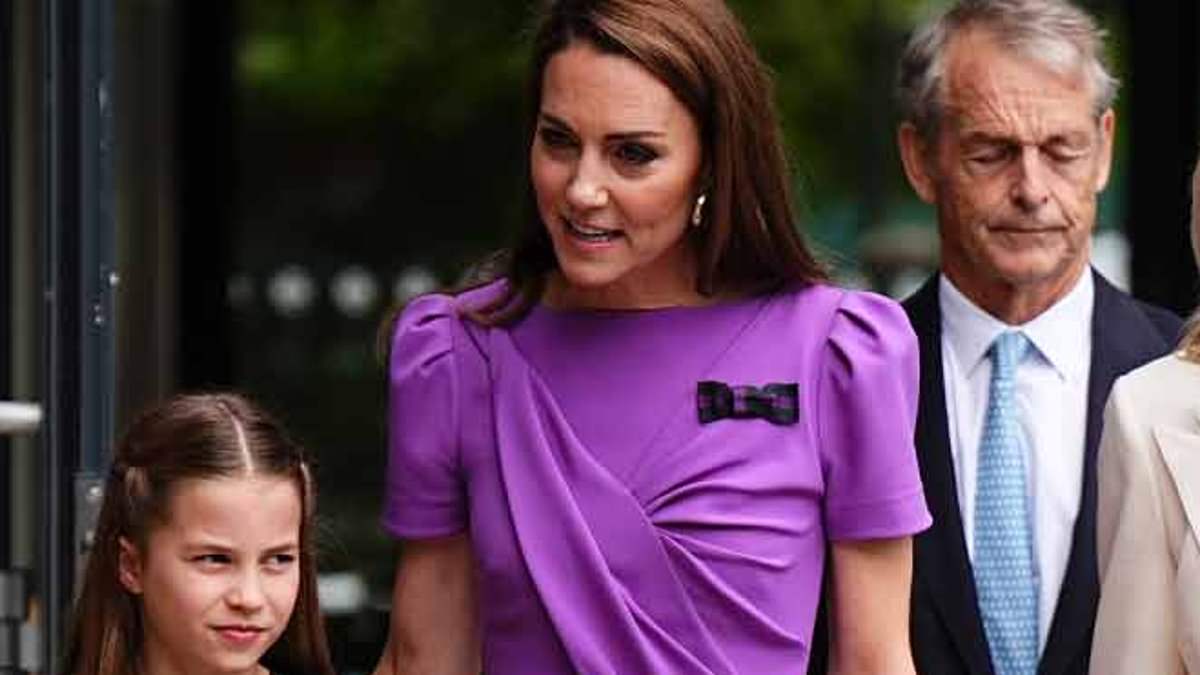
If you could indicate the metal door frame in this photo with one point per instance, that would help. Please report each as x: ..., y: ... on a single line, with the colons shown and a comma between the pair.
x: 79, y: 282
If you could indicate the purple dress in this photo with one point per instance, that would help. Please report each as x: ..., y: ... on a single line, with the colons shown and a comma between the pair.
x: 616, y: 533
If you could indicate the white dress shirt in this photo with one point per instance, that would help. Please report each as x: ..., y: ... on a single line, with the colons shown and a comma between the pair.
x: 1051, y: 394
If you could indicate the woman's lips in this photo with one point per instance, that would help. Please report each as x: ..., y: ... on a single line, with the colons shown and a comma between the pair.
x: 590, y: 234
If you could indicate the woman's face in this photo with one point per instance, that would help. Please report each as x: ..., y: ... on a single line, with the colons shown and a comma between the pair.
x: 615, y: 162
x: 219, y: 579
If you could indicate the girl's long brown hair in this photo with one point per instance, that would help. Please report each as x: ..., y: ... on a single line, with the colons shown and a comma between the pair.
x: 188, y: 437
x: 748, y: 241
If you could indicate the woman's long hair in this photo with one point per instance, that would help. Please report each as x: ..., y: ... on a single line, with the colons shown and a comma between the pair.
x: 747, y: 241
x: 188, y: 437
x: 1190, y: 345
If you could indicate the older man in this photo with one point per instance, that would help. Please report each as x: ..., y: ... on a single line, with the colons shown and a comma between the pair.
x: 1008, y: 132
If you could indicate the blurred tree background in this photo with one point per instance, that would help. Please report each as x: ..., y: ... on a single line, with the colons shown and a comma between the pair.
x: 380, y: 146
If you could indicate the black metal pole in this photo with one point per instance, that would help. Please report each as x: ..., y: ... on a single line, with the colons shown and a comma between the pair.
x: 60, y: 315
x: 78, y: 284
x: 6, y: 256
x: 98, y: 276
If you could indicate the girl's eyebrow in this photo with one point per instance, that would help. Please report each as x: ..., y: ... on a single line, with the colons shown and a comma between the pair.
x: 283, y: 548
x: 213, y: 546
x: 207, y: 546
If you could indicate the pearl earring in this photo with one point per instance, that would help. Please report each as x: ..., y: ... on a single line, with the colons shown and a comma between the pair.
x: 698, y: 211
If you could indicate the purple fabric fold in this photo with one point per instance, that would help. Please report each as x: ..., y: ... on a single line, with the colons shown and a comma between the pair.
x: 621, y: 595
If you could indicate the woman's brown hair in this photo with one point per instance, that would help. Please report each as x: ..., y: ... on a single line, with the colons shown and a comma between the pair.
x: 747, y: 241
x: 188, y: 437
x: 1189, y: 347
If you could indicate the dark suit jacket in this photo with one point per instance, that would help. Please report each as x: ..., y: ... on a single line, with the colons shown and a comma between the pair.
x: 946, y: 630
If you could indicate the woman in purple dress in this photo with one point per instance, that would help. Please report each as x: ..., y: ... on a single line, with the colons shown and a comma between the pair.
x: 630, y: 452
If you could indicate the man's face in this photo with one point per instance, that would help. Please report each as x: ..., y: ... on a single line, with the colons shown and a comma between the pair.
x: 1014, y: 172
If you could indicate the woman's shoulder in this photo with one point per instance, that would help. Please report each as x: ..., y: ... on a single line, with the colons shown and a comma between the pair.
x: 445, y: 305
x: 848, y: 315
x: 423, y: 330
x: 1163, y: 391
x: 837, y: 299
x: 435, y: 332
x: 476, y: 298
x: 440, y: 314
x: 1173, y: 369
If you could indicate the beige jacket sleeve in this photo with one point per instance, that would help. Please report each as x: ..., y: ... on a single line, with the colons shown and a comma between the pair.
x: 1149, y: 562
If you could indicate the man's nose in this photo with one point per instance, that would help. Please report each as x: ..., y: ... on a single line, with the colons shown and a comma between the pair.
x: 1030, y: 188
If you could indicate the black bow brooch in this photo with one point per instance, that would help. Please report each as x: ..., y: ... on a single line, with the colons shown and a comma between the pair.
x: 776, y: 402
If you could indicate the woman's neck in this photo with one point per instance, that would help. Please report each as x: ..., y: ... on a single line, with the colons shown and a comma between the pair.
x: 631, y: 292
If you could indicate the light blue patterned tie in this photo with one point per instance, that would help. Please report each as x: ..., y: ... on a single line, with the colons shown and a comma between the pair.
x: 1004, y: 569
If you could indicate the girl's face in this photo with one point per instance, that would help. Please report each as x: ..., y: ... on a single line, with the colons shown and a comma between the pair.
x: 219, y: 579
x: 615, y: 164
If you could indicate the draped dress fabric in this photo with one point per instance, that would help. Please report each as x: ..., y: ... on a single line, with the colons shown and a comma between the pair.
x: 615, y: 533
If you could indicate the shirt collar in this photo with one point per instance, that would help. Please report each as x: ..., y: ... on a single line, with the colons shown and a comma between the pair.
x: 1056, y: 333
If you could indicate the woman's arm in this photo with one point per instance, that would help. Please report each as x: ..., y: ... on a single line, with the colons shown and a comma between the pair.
x: 434, y: 626
x: 868, y: 614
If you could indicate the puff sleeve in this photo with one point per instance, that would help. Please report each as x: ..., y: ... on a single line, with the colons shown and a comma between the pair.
x: 866, y: 414
x: 424, y: 494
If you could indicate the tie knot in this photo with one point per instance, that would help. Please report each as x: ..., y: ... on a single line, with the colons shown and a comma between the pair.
x: 1007, y: 351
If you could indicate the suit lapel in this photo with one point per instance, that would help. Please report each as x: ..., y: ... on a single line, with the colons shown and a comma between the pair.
x: 1180, y: 450
x: 941, y: 551
x: 1122, y: 339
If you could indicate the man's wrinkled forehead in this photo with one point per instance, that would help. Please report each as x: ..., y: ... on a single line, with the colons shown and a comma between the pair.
x: 989, y: 87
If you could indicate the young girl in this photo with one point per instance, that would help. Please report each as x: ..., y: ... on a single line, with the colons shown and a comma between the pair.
x: 204, y: 558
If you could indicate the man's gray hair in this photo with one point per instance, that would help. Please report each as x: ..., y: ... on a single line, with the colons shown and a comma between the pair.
x: 1052, y: 32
